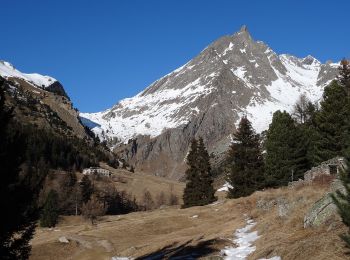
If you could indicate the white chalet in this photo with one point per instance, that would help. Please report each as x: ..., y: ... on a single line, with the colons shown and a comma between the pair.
x: 97, y: 171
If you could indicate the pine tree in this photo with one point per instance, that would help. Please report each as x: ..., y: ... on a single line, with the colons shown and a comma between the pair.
x: 286, y: 151
x: 205, y: 174
x: 342, y: 201
x: 49, y: 215
x: 333, y: 122
x: 246, y: 161
x: 18, y: 195
x: 86, y: 189
x: 192, y: 194
x: 199, y: 189
x: 344, y: 75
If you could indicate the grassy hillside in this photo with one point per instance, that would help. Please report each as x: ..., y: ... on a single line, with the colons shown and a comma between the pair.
x: 203, y: 230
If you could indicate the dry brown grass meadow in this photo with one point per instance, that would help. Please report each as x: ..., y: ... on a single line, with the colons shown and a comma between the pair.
x: 206, y: 230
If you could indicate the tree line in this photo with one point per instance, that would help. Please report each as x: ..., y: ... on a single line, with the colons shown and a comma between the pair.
x: 88, y: 197
x: 293, y: 143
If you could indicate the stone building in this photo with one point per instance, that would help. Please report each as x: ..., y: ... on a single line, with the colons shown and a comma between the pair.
x: 97, y: 171
x: 330, y: 167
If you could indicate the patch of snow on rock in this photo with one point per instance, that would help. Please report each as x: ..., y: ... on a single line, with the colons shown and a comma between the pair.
x: 152, y: 117
x: 7, y: 70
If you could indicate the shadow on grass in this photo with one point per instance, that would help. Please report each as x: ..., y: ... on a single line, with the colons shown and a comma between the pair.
x: 184, y: 251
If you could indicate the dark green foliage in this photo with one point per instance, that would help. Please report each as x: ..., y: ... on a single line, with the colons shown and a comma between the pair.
x: 304, y: 115
x: 59, y: 152
x: 86, y: 188
x: 205, y: 174
x: 191, y: 193
x: 340, y: 137
x: 246, y: 161
x: 342, y: 201
x: 18, y: 189
x: 333, y: 122
x: 199, y: 190
x: 286, y: 149
x: 120, y: 203
x: 113, y: 162
x: 344, y: 75
x: 69, y: 194
x: 50, y: 210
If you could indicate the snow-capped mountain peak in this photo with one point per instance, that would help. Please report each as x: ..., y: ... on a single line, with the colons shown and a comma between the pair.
x: 235, y: 72
x: 7, y: 70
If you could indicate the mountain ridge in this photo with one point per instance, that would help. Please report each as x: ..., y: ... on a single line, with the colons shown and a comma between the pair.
x: 229, y: 58
x: 233, y: 76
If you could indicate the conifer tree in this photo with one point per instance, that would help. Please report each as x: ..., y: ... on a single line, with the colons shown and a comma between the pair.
x: 245, y: 158
x: 205, y: 174
x: 49, y: 215
x: 18, y: 195
x: 86, y: 189
x: 199, y: 189
x: 286, y: 151
x: 191, y: 194
x: 342, y: 201
x: 333, y: 122
x: 344, y: 75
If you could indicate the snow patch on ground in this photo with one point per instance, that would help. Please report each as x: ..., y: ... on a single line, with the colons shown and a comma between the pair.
x: 7, y: 70
x: 225, y: 187
x: 244, y: 239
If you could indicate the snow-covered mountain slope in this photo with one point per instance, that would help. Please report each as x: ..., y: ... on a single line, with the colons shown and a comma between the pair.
x: 232, y: 77
x: 235, y: 73
x: 7, y: 70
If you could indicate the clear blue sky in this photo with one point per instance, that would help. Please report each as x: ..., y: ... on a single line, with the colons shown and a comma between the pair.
x: 103, y: 51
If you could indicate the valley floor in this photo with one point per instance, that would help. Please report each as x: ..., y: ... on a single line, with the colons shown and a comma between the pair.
x: 201, y: 232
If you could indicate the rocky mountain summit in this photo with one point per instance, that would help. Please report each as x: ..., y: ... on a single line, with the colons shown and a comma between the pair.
x: 232, y: 77
x: 40, y: 100
x: 8, y: 71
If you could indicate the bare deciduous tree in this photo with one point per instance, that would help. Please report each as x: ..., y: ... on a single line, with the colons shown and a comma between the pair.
x: 173, y: 199
x: 300, y: 109
x: 92, y: 209
x: 147, y: 200
x: 160, y: 199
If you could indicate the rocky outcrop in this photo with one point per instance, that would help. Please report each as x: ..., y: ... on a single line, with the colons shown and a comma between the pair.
x: 58, y: 89
x: 43, y: 107
x: 63, y: 240
x: 282, y: 205
x: 324, y: 210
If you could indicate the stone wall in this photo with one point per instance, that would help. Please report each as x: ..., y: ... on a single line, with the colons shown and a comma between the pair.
x: 324, y: 168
